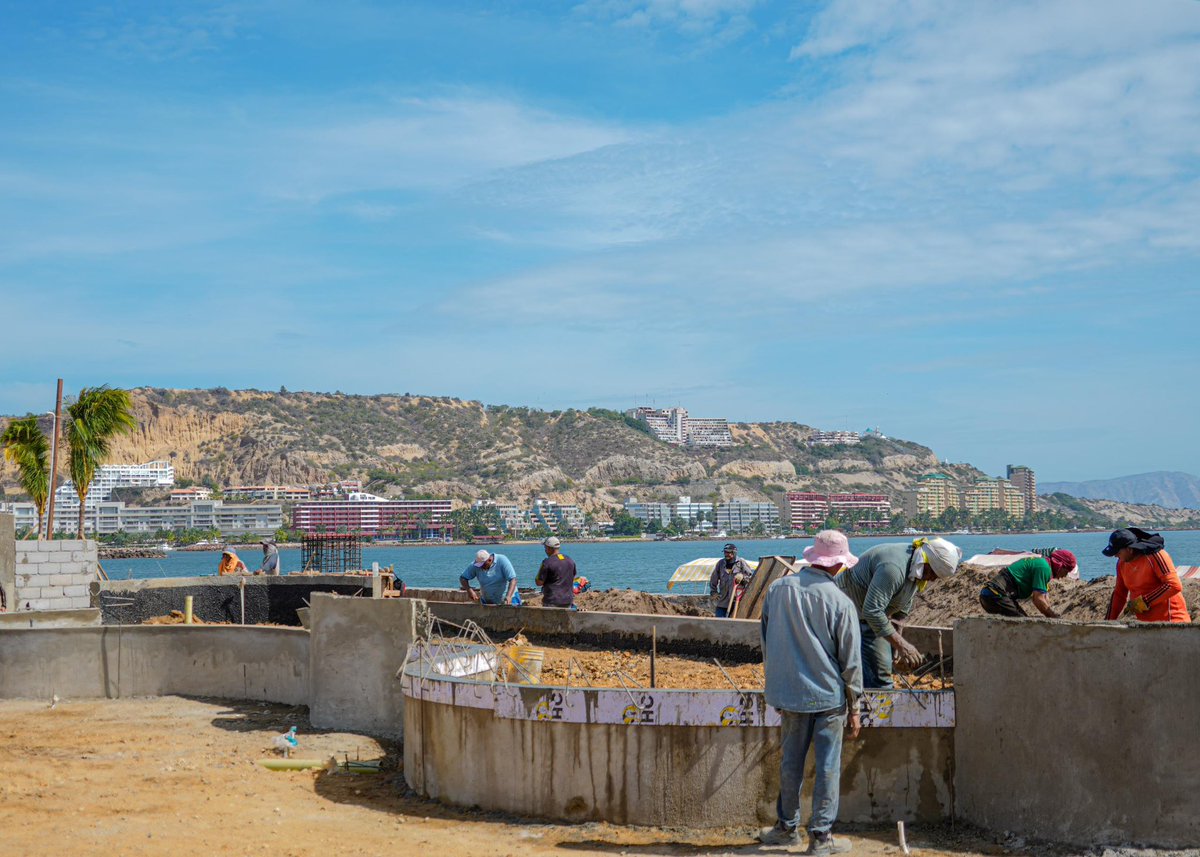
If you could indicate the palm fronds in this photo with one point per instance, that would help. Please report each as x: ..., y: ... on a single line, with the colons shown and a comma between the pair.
x: 26, y: 446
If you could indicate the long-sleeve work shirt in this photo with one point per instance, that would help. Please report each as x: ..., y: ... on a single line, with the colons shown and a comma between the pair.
x: 720, y: 583
x: 880, y: 587
x: 811, y: 644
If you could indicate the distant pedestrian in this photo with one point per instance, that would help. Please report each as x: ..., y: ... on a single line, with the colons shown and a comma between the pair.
x: 730, y: 575
x: 231, y: 563
x: 1148, y: 586
x: 270, y: 563
x: 812, y: 656
x: 556, y: 576
x: 497, y: 579
x: 882, y: 585
x: 1027, y: 578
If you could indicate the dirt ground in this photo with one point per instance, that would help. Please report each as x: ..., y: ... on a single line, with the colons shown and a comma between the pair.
x: 946, y: 600
x: 633, y: 601
x: 173, y: 775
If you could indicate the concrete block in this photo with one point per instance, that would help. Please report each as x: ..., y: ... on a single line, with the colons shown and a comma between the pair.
x: 62, y: 579
x: 1111, y: 706
x: 30, y: 557
x: 76, y: 591
x: 83, y: 556
x: 39, y: 603
x: 357, y: 646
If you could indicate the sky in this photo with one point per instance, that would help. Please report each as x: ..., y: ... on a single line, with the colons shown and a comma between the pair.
x: 973, y: 225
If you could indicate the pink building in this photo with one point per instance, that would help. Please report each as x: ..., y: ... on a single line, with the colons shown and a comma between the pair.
x: 401, y: 519
x: 807, y: 509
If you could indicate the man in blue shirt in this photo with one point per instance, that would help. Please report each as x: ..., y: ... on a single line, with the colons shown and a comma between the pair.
x: 497, y: 579
x: 813, y: 663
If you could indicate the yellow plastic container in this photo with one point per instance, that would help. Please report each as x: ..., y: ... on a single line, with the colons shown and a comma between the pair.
x: 526, y: 664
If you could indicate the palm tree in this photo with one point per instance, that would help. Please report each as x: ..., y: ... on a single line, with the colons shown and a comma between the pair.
x: 98, y: 415
x: 26, y: 446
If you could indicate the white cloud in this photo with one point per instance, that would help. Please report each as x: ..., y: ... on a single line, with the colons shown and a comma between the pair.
x: 726, y: 19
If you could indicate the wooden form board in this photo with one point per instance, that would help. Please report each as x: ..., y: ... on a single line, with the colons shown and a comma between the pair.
x: 770, y: 569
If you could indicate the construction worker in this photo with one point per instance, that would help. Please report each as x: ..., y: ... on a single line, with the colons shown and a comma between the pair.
x: 1026, y: 578
x: 882, y: 585
x: 1148, y: 587
x: 270, y: 563
x: 556, y: 576
x: 730, y: 573
x: 231, y: 564
x: 497, y: 580
x: 812, y: 656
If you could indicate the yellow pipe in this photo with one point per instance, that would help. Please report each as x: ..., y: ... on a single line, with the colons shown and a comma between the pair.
x: 187, y: 610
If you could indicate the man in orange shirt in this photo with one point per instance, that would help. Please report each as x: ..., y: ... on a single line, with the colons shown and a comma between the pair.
x: 1148, y: 588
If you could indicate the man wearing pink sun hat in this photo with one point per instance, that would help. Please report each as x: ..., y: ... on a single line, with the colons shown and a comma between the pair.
x: 812, y: 656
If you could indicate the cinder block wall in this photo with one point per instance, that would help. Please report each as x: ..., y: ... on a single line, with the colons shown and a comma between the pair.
x: 54, y: 575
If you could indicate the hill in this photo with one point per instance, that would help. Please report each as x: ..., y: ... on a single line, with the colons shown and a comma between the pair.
x: 423, y: 445
x: 429, y: 446
x: 1170, y: 489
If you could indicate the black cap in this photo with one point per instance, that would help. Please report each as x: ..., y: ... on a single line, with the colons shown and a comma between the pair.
x: 1119, y: 540
x: 731, y: 547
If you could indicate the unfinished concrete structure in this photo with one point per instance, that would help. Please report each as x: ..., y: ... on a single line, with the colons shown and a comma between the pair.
x: 1081, y: 733
x: 54, y: 574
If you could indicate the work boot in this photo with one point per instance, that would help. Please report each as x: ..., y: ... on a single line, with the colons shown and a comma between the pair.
x: 779, y: 835
x: 821, y: 844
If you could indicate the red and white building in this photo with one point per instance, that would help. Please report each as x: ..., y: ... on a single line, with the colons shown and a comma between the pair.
x: 416, y: 520
x: 807, y: 509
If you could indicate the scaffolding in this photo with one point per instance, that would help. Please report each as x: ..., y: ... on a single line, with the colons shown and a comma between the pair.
x: 331, y: 553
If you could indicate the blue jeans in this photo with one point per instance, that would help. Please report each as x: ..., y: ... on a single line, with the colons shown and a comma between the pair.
x: 876, y: 658
x: 722, y: 612
x: 823, y: 730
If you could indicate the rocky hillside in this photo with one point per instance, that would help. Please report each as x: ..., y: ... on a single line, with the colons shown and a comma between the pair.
x: 420, y: 445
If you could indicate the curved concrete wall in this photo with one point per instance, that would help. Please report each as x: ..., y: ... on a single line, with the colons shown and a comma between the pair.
x: 512, y: 748
x: 231, y: 662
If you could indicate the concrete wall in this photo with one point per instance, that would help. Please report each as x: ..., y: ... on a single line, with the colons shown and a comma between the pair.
x: 734, y: 640
x: 55, y: 574
x: 675, y: 776
x: 269, y: 600
x: 86, y: 618
x: 358, y: 644
x: 8, y: 562
x: 1079, y: 733
x: 234, y: 663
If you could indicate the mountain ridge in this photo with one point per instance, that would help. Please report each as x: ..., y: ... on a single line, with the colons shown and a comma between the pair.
x: 1171, y: 489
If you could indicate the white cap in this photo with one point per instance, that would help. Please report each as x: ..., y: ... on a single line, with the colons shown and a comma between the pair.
x: 481, y: 557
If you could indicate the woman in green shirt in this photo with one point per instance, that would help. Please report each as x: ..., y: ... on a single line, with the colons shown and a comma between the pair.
x: 1026, y: 579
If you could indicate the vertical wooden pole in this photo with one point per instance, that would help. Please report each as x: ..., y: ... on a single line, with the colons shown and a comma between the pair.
x: 53, y: 463
x: 654, y: 656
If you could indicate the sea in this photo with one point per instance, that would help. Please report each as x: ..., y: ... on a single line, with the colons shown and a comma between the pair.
x: 644, y: 565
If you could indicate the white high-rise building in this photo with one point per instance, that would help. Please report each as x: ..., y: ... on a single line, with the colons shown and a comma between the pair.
x: 153, y: 474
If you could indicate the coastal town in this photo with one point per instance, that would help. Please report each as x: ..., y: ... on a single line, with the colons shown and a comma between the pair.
x: 679, y: 428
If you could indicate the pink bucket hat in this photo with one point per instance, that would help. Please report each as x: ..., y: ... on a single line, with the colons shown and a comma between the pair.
x: 830, y: 548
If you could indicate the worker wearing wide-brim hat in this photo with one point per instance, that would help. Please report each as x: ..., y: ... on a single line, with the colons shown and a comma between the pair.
x: 1148, y: 587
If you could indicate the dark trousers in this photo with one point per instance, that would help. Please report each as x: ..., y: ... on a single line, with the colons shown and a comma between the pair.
x: 876, y: 658
x: 999, y: 597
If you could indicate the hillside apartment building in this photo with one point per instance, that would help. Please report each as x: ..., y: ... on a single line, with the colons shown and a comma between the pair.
x: 675, y: 426
x: 414, y: 520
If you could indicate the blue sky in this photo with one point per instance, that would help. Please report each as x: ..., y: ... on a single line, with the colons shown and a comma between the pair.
x: 974, y: 225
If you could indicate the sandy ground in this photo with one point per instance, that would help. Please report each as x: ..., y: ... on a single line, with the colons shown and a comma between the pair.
x: 176, y: 775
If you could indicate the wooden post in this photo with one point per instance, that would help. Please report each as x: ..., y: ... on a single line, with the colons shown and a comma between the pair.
x: 653, y: 655
x: 53, y: 465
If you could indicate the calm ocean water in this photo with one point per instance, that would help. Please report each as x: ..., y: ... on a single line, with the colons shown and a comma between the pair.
x: 636, y: 565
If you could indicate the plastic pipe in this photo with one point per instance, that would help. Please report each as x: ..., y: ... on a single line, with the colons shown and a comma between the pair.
x: 187, y: 610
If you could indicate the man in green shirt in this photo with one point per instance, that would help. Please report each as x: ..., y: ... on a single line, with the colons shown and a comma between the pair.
x: 1027, y: 578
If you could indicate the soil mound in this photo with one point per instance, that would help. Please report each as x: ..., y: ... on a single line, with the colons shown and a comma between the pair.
x: 1082, y: 600
x: 633, y: 601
